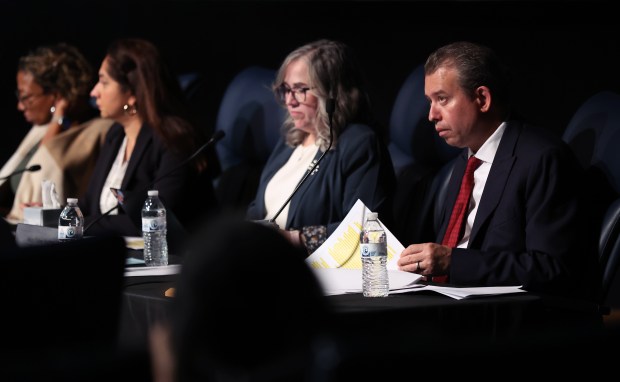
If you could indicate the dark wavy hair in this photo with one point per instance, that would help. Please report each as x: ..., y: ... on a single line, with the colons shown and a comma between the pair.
x: 62, y: 69
x: 138, y: 67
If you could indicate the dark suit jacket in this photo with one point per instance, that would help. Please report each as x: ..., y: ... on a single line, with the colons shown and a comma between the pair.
x: 188, y: 196
x: 529, y: 228
x: 359, y: 167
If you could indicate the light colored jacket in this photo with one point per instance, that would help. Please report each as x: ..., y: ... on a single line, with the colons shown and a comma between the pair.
x: 67, y: 160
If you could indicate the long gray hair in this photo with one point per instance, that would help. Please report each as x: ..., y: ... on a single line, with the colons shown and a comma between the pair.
x: 334, y: 73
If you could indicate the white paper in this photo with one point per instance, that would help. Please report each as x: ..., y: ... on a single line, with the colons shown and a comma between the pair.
x: 460, y: 293
x: 340, y: 281
x: 341, y: 249
x: 172, y: 269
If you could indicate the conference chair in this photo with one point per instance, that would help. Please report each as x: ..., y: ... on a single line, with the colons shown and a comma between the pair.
x: 200, y: 98
x: 418, y: 155
x: 609, y: 252
x: 594, y: 134
x: 251, y: 118
x: 413, y: 140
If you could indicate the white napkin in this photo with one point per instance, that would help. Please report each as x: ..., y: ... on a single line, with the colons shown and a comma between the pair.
x: 48, y: 193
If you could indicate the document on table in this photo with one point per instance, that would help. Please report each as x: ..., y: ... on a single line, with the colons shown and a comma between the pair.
x: 460, y: 293
x: 340, y: 281
x: 172, y: 269
x: 342, y: 247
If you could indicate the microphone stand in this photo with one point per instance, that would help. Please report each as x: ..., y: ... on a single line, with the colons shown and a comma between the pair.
x: 33, y: 168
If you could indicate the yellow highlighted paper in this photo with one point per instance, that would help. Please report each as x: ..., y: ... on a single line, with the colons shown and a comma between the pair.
x: 341, y: 249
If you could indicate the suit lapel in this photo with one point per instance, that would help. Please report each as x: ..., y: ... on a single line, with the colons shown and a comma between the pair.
x: 108, y: 155
x: 498, y: 176
x: 292, y: 210
x: 145, y: 136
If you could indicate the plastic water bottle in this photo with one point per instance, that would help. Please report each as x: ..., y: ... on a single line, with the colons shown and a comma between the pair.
x: 154, y: 230
x: 373, y: 248
x: 71, y: 222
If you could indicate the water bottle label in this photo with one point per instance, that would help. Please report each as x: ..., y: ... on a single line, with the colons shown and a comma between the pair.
x: 373, y: 249
x: 69, y: 233
x: 153, y: 224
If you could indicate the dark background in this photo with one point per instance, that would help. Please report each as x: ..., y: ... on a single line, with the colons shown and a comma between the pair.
x: 561, y: 53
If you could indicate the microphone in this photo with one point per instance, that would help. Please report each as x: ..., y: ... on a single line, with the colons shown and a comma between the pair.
x: 120, y: 197
x: 330, y: 107
x: 33, y: 168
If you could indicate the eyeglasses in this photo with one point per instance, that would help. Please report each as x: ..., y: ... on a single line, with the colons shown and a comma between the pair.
x: 299, y: 94
x: 26, y: 99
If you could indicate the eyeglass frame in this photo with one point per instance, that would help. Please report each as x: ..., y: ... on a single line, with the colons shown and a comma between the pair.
x: 282, y: 91
x: 27, y: 99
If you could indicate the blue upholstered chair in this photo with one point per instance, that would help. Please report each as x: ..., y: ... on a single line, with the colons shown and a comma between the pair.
x: 202, y: 109
x: 251, y: 118
x: 594, y: 135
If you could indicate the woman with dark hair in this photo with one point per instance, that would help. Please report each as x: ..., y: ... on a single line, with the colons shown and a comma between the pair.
x: 53, y: 84
x: 356, y: 164
x: 146, y: 147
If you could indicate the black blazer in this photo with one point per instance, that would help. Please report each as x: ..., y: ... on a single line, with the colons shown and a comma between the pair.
x: 529, y: 228
x: 187, y: 195
x: 358, y: 167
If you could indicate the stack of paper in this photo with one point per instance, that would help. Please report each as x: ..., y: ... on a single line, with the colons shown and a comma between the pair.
x: 172, y: 269
x: 460, y: 293
x: 340, y: 281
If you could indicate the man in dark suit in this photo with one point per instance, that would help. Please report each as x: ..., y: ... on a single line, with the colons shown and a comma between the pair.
x: 522, y: 223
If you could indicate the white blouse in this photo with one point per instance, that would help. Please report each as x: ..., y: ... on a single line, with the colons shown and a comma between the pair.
x: 107, y: 200
x: 285, y: 180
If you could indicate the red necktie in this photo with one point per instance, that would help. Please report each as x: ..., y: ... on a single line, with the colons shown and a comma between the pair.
x: 455, y: 226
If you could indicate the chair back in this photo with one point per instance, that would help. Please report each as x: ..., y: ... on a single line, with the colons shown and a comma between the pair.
x: 413, y: 139
x: 200, y: 103
x: 251, y: 118
x: 594, y: 135
x: 609, y: 248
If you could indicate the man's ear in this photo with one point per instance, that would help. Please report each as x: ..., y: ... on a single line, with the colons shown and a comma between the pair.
x: 483, y: 97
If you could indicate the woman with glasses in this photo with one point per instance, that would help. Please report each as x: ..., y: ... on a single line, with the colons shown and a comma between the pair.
x: 329, y: 119
x: 52, y: 93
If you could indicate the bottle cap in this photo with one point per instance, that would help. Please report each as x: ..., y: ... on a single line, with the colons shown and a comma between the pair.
x: 72, y: 200
x: 153, y: 193
x: 373, y: 216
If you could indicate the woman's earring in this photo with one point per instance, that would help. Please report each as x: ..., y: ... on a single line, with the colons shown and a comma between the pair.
x: 130, y: 109
x: 52, y: 109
